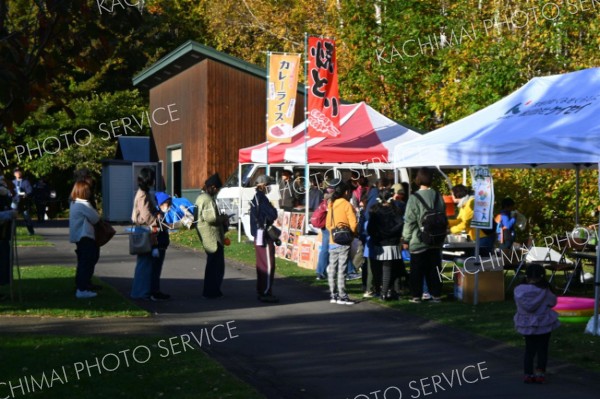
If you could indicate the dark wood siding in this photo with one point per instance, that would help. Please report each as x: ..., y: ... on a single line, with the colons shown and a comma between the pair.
x: 220, y: 109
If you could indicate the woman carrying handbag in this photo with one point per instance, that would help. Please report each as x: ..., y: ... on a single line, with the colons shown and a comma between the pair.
x: 262, y: 215
x: 146, y: 214
x: 82, y: 217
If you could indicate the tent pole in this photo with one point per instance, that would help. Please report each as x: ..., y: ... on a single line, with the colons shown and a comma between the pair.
x: 597, y: 273
x: 240, y: 202
x: 577, y: 168
x: 477, y: 264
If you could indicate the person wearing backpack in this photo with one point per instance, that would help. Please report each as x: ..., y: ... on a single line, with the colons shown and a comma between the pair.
x: 423, y: 238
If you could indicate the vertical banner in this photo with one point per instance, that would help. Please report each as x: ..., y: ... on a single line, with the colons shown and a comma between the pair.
x: 483, y: 186
x: 323, y: 94
x: 281, y: 98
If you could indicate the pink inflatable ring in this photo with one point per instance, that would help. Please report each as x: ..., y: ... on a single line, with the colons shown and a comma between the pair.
x: 573, y: 303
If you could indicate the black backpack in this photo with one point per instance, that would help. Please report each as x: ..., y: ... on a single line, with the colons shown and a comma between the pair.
x: 434, y: 224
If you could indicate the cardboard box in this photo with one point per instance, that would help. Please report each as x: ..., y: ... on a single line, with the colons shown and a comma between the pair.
x: 490, y: 285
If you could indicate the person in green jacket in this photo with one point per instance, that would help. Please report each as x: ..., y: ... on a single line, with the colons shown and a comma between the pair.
x: 425, y: 260
x: 211, y: 227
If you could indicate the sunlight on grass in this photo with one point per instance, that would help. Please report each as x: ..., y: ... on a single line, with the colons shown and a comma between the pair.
x: 50, y: 291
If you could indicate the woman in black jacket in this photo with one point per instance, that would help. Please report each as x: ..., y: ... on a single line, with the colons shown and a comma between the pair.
x: 262, y: 215
x: 385, y: 229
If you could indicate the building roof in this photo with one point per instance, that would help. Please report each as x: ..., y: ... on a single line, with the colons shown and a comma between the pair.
x: 183, y: 57
x: 134, y: 149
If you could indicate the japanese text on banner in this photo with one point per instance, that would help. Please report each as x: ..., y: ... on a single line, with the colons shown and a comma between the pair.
x: 323, y: 94
x: 281, y: 100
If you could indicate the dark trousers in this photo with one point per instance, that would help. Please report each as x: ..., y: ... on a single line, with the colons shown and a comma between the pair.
x: 536, y: 345
x: 376, y: 275
x: 265, y: 268
x: 157, y: 264
x: 5, y: 262
x: 425, y: 264
x: 88, y: 254
x: 214, y: 273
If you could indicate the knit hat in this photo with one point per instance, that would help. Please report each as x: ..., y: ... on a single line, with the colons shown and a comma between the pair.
x: 214, y: 180
x: 162, y: 197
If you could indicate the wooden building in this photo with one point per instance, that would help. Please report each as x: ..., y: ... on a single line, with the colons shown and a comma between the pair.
x: 215, y: 103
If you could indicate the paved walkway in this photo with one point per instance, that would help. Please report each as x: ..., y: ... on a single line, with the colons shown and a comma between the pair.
x: 305, y: 347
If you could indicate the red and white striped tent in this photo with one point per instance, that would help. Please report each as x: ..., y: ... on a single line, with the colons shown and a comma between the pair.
x: 366, y: 137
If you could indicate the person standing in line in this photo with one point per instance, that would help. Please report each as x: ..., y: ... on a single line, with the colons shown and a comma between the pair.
x: 23, y: 197
x: 425, y: 260
x: 211, y: 229
x: 145, y: 213
x: 82, y: 218
x: 535, y: 320
x: 385, y: 229
x: 159, y: 250
x: 323, y: 260
x: 262, y: 215
x: 340, y: 212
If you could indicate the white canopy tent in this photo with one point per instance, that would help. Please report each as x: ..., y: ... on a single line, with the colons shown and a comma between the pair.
x: 551, y: 121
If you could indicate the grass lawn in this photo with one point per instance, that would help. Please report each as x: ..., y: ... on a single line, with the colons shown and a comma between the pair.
x: 166, y: 374
x: 492, y: 319
x: 50, y: 291
x: 25, y: 240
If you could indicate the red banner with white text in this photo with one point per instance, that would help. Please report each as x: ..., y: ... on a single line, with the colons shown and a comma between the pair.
x: 323, y: 93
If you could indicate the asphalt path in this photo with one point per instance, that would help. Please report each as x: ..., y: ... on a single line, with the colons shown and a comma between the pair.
x: 305, y: 347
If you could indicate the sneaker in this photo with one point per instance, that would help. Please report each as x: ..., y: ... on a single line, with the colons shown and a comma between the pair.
x: 371, y: 294
x: 353, y: 276
x: 436, y: 299
x: 334, y: 298
x: 345, y: 301
x: 84, y: 294
x: 539, y: 377
x: 426, y: 296
x: 159, y: 296
x: 268, y: 299
x: 321, y: 277
x: 528, y: 379
x: 415, y: 300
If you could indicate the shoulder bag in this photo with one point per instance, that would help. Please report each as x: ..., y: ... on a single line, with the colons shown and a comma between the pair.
x: 341, y: 233
x: 272, y: 232
x: 103, y: 232
x: 139, y: 240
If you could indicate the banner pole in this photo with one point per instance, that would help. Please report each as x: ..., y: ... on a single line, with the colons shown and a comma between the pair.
x: 306, y: 168
x: 267, y: 171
